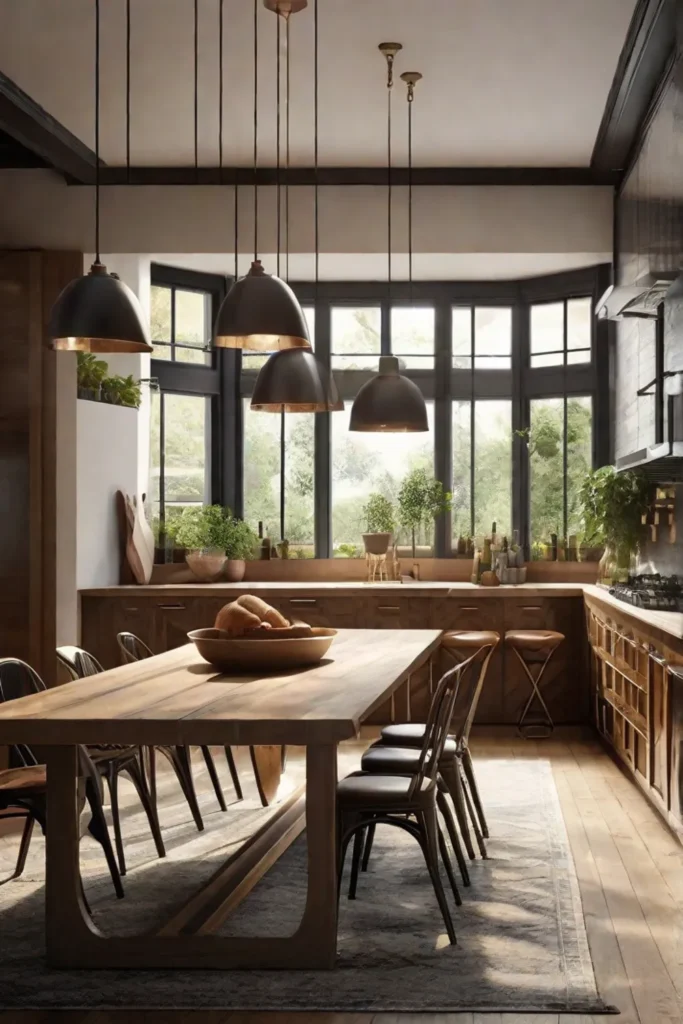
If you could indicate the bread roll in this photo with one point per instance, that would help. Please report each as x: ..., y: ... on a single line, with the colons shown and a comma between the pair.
x: 265, y: 612
x: 266, y: 632
x: 235, y: 619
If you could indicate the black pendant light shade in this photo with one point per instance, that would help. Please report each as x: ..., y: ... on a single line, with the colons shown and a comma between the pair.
x: 98, y: 313
x: 292, y: 381
x: 261, y: 313
x: 389, y: 403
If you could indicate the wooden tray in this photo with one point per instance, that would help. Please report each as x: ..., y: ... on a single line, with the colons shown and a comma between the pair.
x: 230, y: 653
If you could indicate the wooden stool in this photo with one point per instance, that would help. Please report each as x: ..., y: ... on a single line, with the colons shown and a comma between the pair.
x: 534, y: 649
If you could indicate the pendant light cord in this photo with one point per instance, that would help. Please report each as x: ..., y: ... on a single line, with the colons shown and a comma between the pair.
x: 196, y: 91
x: 287, y: 152
x: 410, y: 195
x: 255, y: 128
x: 128, y: 92
x: 389, y: 190
x: 315, y: 153
x: 97, y: 131
x: 220, y: 92
x: 278, y: 74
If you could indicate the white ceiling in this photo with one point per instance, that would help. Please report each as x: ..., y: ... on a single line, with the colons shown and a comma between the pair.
x: 506, y: 82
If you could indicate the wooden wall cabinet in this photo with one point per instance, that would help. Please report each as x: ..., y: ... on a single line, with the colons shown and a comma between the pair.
x: 163, y: 623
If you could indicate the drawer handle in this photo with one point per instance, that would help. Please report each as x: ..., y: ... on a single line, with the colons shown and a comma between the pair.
x: 468, y: 608
x: 171, y: 607
x: 303, y: 600
x: 531, y: 607
x: 388, y: 608
x: 130, y: 609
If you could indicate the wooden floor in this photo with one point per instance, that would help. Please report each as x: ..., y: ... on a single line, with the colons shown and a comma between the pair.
x: 630, y: 870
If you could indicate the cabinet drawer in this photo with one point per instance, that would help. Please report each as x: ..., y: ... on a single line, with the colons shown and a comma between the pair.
x: 464, y: 613
x: 336, y: 612
x: 396, y: 613
x: 541, y: 613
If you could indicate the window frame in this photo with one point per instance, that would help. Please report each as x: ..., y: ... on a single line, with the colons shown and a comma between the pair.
x: 217, y: 382
x: 228, y: 384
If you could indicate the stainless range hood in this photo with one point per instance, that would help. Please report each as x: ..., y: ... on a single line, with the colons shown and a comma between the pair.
x: 638, y: 300
x: 662, y: 462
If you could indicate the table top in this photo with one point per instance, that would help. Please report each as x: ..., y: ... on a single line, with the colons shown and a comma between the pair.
x: 177, y: 698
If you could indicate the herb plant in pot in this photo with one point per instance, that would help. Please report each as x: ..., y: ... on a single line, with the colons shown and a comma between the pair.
x: 119, y: 390
x: 90, y: 372
x: 216, y: 542
x: 613, y: 505
x: 380, y: 524
x: 420, y: 500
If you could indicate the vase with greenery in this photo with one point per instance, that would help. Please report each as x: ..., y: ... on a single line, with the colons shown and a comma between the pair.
x: 216, y: 541
x: 420, y: 500
x: 380, y: 523
x: 90, y: 372
x: 119, y: 390
x: 613, y: 505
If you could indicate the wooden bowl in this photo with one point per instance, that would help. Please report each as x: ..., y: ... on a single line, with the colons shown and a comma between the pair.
x: 225, y: 652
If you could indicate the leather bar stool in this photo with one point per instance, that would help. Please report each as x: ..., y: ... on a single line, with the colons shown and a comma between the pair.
x: 534, y: 649
x: 457, y: 772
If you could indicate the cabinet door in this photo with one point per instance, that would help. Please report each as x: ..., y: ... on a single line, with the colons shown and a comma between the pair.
x: 466, y: 613
x: 103, y: 617
x: 175, y: 617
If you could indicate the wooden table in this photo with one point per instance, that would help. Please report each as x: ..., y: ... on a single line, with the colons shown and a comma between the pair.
x: 177, y: 698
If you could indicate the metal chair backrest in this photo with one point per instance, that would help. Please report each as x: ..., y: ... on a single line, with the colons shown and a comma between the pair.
x: 438, y: 723
x: 465, y: 707
x: 133, y: 648
x: 78, y: 663
x: 17, y: 679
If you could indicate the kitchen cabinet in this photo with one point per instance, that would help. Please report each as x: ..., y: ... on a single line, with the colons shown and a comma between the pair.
x: 633, y: 671
x: 163, y: 620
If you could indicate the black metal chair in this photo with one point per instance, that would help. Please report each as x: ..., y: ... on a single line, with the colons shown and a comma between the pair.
x: 23, y: 786
x: 134, y: 649
x: 111, y: 760
x: 404, y: 800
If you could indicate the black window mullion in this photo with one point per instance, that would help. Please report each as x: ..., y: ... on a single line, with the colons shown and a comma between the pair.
x: 564, y: 434
x: 385, y: 347
x: 443, y: 424
x: 520, y: 422
x: 472, y: 391
x: 322, y: 476
x: 162, y: 460
x: 172, y: 339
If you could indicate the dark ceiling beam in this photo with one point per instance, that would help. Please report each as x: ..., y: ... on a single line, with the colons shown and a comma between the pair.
x: 355, y: 176
x: 40, y: 133
x: 650, y: 43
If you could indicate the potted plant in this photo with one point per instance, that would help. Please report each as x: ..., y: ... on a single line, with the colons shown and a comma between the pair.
x: 613, y: 505
x: 380, y: 524
x: 119, y: 390
x: 90, y: 372
x: 420, y: 500
x: 215, y: 541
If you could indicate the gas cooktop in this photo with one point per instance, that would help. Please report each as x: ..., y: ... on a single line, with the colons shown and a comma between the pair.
x: 653, y: 591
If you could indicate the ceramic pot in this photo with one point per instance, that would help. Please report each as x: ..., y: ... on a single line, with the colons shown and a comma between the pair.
x: 235, y: 569
x: 206, y: 564
x: 90, y: 394
x: 377, y: 543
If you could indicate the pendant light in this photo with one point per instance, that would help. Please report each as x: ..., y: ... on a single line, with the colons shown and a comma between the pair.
x: 260, y: 313
x: 390, y: 402
x: 98, y: 312
x: 292, y: 380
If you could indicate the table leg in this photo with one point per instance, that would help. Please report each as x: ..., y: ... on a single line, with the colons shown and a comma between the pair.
x: 65, y: 910
x: 317, y: 933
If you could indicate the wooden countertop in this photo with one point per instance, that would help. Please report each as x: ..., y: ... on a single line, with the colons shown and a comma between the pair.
x: 426, y: 588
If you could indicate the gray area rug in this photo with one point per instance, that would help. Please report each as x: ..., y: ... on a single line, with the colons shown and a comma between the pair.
x: 522, y: 943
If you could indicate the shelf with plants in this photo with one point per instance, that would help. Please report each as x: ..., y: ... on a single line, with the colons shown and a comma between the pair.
x: 95, y: 384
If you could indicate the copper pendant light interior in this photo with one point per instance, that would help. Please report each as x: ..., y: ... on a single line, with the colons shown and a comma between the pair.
x: 291, y: 381
x: 261, y: 313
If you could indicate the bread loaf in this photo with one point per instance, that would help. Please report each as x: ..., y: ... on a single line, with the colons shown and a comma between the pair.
x: 265, y: 612
x: 266, y: 632
x: 235, y: 619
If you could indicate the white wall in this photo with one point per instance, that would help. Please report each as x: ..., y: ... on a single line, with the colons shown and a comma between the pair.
x: 107, y: 461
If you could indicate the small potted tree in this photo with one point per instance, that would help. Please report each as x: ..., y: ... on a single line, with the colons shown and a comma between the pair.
x: 215, y: 542
x: 380, y: 524
x: 420, y: 500
x: 90, y: 372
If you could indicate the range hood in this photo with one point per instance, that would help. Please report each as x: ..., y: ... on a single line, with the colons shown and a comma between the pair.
x: 661, y: 462
x: 640, y: 299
